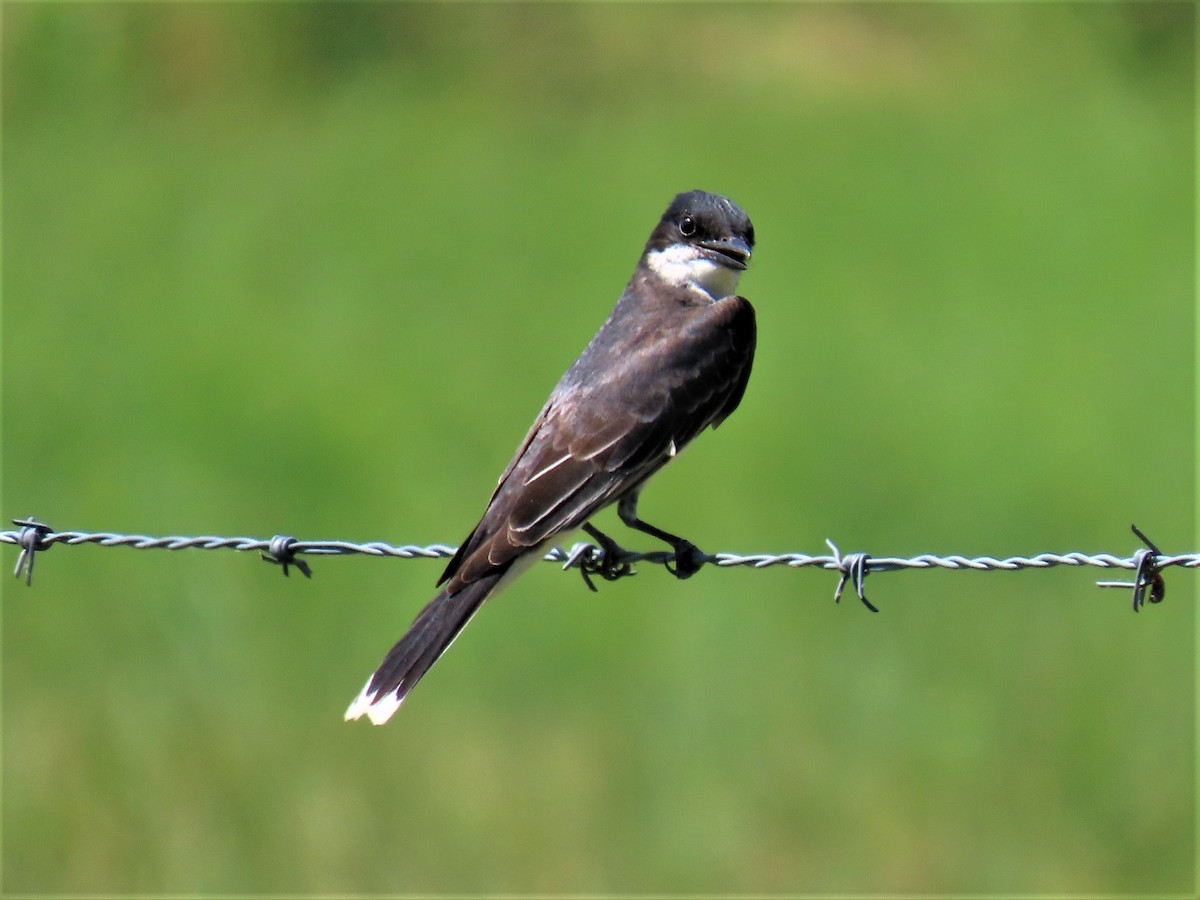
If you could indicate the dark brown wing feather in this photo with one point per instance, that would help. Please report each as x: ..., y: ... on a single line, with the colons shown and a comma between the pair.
x: 641, y: 391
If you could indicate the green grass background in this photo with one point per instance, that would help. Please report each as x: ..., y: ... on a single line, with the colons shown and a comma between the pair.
x: 312, y: 269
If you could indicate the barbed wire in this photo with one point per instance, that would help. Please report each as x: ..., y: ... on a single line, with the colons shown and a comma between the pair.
x: 34, y: 537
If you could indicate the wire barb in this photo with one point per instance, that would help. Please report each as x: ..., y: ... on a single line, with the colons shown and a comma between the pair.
x: 854, y: 567
x: 282, y: 552
x: 1148, y: 583
x: 31, y: 538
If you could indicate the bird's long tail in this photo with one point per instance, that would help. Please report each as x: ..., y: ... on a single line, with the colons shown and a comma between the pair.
x: 430, y: 635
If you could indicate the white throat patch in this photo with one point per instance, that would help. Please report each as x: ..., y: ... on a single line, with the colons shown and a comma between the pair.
x: 688, y: 267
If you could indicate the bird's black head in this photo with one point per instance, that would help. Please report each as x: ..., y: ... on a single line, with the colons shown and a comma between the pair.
x: 703, y: 242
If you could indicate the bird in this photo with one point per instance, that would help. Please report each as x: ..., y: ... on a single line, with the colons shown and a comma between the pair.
x: 672, y: 359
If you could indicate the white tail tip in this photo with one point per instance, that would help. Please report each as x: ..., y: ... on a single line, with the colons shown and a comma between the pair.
x: 377, y: 709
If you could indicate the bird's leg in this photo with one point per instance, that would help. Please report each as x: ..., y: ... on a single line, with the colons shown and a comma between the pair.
x: 611, y: 567
x: 688, y: 557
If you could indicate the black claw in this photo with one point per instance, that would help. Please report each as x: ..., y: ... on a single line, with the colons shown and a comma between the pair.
x: 587, y: 578
x: 609, y: 566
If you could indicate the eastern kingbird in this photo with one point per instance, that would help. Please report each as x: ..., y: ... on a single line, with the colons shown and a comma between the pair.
x: 672, y: 358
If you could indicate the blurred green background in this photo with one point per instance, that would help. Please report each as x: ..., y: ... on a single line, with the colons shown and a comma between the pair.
x: 312, y: 269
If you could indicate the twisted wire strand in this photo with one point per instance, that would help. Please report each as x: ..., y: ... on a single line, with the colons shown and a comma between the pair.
x: 572, y: 554
x: 33, y: 537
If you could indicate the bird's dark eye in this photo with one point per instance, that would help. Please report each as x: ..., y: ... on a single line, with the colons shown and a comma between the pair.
x: 687, y: 226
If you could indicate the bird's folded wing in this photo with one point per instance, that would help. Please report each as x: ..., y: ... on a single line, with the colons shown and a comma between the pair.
x: 593, y: 441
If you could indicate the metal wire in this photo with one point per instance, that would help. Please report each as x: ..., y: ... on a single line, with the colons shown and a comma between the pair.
x: 1148, y: 586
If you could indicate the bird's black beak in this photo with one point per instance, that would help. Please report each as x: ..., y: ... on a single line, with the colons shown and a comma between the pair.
x: 734, y: 252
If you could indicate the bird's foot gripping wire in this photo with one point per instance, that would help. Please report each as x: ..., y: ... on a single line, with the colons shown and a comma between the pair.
x: 610, y: 563
x: 688, y: 559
